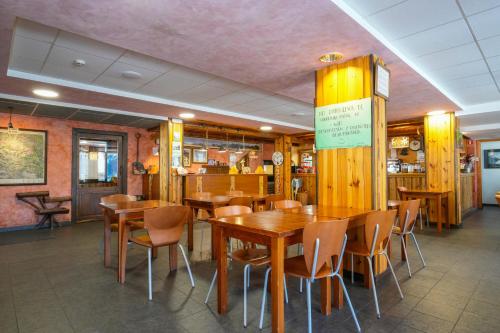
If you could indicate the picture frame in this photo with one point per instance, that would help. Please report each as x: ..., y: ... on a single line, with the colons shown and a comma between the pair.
x: 382, y: 76
x: 200, y: 156
x: 187, y: 157
x: 492, y: 158
x: 23, y: 157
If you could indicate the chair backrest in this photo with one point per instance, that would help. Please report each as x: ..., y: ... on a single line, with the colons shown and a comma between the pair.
x: 408, y: 211
x: 201, y: 195
x: 385, y: 222
x: 166, y: 224
x: 241, y: 201
x: 115, y: 198
x: 227, y: 211
x: 331, y: 240
x: 235, y: 193
x: 284, y: 204
x: 270, y: 199
x: 401, y: 189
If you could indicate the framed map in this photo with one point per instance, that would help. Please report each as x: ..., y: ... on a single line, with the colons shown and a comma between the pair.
x: 23, y: 157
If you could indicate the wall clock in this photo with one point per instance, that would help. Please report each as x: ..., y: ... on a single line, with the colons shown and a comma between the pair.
x: 415, y: 145
x: 278, y: 158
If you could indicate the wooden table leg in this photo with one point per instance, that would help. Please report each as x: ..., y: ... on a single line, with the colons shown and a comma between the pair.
x: 439, y: 214
x: 122, y: 247
x: 221, y: 242
x: 277, y: 292
x: 449, y: 207
x: 172, y: 257
x: 107, y: 239
x: 190, y: 229
x: 213, y: 242
x: 338, y: 293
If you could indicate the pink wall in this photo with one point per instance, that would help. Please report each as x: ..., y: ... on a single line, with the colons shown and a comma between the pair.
x: 14, y: 213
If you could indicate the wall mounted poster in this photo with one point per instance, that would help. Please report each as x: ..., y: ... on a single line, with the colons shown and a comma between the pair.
x: 23, y: 157
x: 344, y: 125
x: 492, y: 159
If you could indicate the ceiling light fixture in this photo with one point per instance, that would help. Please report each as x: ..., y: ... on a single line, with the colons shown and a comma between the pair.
x: 205, y: 147
x: 46, y: 93
x: 298, y: 114
x: 10, y: 127
x: 186, y: 115
x: 436, y: 113
x: 331, y: 57
x: 223, y: 149
x: 131, y: 75
x: 79, y: 62
x: 266, y: 128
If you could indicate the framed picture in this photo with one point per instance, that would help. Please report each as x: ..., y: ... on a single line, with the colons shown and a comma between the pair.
x: 23, y: 157
x: 492, y: 159
x: 382, y: 77
x: 186, y: 157
x: 200, y: 156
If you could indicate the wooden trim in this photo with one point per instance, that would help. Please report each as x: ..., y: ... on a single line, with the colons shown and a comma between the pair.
x: 164, y: 161
x: 479, y: 178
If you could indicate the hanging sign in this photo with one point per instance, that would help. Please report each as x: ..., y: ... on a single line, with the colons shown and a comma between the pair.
x: 344, y: 125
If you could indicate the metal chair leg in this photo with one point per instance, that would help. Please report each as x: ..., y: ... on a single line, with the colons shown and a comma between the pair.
x: 352, y: 267
x: 374, y: 288
x: 248, y: 276
x: 393, y: 274
x: 286, y: 290
x: 427, y: 216
x: 300, y: 285
x: 263, y: 302
x: 245, y: 287
x: 353, y: 313
x: 406, y: 254
x: 150, y: 282
x: 187, y: 264
x: 211, y: 286
x: 418, y: 247
x: 309, y: 317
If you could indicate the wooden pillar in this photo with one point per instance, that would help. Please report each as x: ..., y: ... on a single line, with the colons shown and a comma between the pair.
x: 164, y: 161
x: 176, y: 140
x: 283, y: 173
x: 441, y: 160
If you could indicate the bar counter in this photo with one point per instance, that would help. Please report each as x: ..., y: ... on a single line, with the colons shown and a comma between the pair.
x: 412, y: 181
x: 222, y: 183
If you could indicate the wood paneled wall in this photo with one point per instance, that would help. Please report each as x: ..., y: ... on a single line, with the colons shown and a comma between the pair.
x: 283, y: 173
x: 164, y: 169
x: 353, y: 177
x: 441, y: 158
x: 412, y: 181
x: 174, y: 182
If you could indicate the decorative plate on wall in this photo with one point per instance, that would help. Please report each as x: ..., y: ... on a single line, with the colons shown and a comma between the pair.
x: 278, y: 158
x: 415, y: 145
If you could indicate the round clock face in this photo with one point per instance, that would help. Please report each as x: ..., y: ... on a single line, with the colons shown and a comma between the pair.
x: 278, y: 158
x: 415, y: 145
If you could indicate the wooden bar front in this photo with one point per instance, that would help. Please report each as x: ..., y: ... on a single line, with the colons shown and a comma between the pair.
x: 221, y: 184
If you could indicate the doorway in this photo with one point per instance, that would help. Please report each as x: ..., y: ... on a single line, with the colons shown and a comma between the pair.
x: 99, y: 169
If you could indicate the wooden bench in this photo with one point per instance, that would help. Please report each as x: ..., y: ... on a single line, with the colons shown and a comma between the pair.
x: 39, y: 205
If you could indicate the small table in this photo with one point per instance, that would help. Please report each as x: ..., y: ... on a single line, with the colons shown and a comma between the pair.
x: 122, y: 209
x: 47, y: 213
x: 438, y: 196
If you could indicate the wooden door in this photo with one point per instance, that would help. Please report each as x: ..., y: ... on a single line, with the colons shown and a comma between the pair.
x: 99, y: 169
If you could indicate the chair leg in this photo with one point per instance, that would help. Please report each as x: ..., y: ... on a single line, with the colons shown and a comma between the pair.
x: 374, y: 288
x: 406, y: 254
x: 309, y: 317
x: 263, y: 302
x: 300, y: 285
x: 286, y: 291
x: 245, y: 287
x: 418, y: 247
x: 393, y: 274
x: 211, y: 286
x: 420, y: 218
x: 427, y: 216
x: 187, y: 264
x: 301, y: 251
x: 353, y: 313
x: 248, y: 276
x: 150, y: 282
x: 352, y: 267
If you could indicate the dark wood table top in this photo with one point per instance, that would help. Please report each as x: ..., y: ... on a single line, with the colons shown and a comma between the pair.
x: 136, y: 206
x: 330, y: 211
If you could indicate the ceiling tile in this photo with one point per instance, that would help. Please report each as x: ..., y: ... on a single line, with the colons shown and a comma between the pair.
x: 17, y: 107
x: 473, y: 6
x: 490, y: 46
x: 87, y: 45
x: 175, y: 82
x: 34, y: 30
x: 462, y: 70
x: 147, y: 123
x: 61, y: 56
x: 231, y: 99
x: 120, y: 119
x: 26, y: 64
x: 29, y: 48
x: 437, y: 39
x: 68, y: 73
x: 494, y: 63
x: 228, y: 85
x: 486, y: 24
x: 366, y: 8
x: 476, y: 95
x: 45, y: 110
x: 139, y: 60
x: 201, y: 93
x: 471, y: 81
x: 89, y: 116
x: 113, y: 78
x: 413, y: 16
x: 480, y: 119
x: 454, y: 56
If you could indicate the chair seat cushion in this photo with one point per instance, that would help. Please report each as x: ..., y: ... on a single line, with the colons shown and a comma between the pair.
x: 357, y: 248
x: 256, y: 257
x: 296, y: 266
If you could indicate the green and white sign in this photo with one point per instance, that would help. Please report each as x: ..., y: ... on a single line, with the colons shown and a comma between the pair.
x: 344, y: 125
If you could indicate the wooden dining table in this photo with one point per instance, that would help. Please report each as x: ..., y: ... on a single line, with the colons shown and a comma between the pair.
x: 123, y: 210
x: 438, y: 196
x: 277, y: 229
x: 209, y: 202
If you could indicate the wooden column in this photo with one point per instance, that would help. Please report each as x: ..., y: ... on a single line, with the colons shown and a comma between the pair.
x: 441, y: 159
x: 164, y: 161
x: 176, y: 141
x: 283, y: 173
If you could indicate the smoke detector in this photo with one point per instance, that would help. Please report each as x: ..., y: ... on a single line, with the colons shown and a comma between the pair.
x: 131, y: 75
x: 79, y: 62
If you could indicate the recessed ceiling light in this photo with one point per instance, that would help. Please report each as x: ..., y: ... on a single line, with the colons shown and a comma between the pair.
x: 436, y: 113
x: 46, y: 93
x: 331, y: 57
x: 266, y: 128
x: 79, y: 62
x: 186, y: 115
x: 131, y: 75
x: 298, y: 114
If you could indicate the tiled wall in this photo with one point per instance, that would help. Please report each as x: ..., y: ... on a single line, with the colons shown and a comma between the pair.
x: 14, y: 213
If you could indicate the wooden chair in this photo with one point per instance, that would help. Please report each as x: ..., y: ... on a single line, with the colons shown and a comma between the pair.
x: 241, y: 201
x: 423, y: 205
x: 378, y: 230
x: 164, y: 227
x: 408, y: 211
x: 249, y: 256
x: 322, y: 242
x: 285, y: 204
x: 270, y: 199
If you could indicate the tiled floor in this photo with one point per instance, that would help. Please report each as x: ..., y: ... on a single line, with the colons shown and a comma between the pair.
x: 55, y: 282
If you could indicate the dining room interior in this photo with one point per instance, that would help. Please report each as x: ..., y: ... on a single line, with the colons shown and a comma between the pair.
x: 240, y: 166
